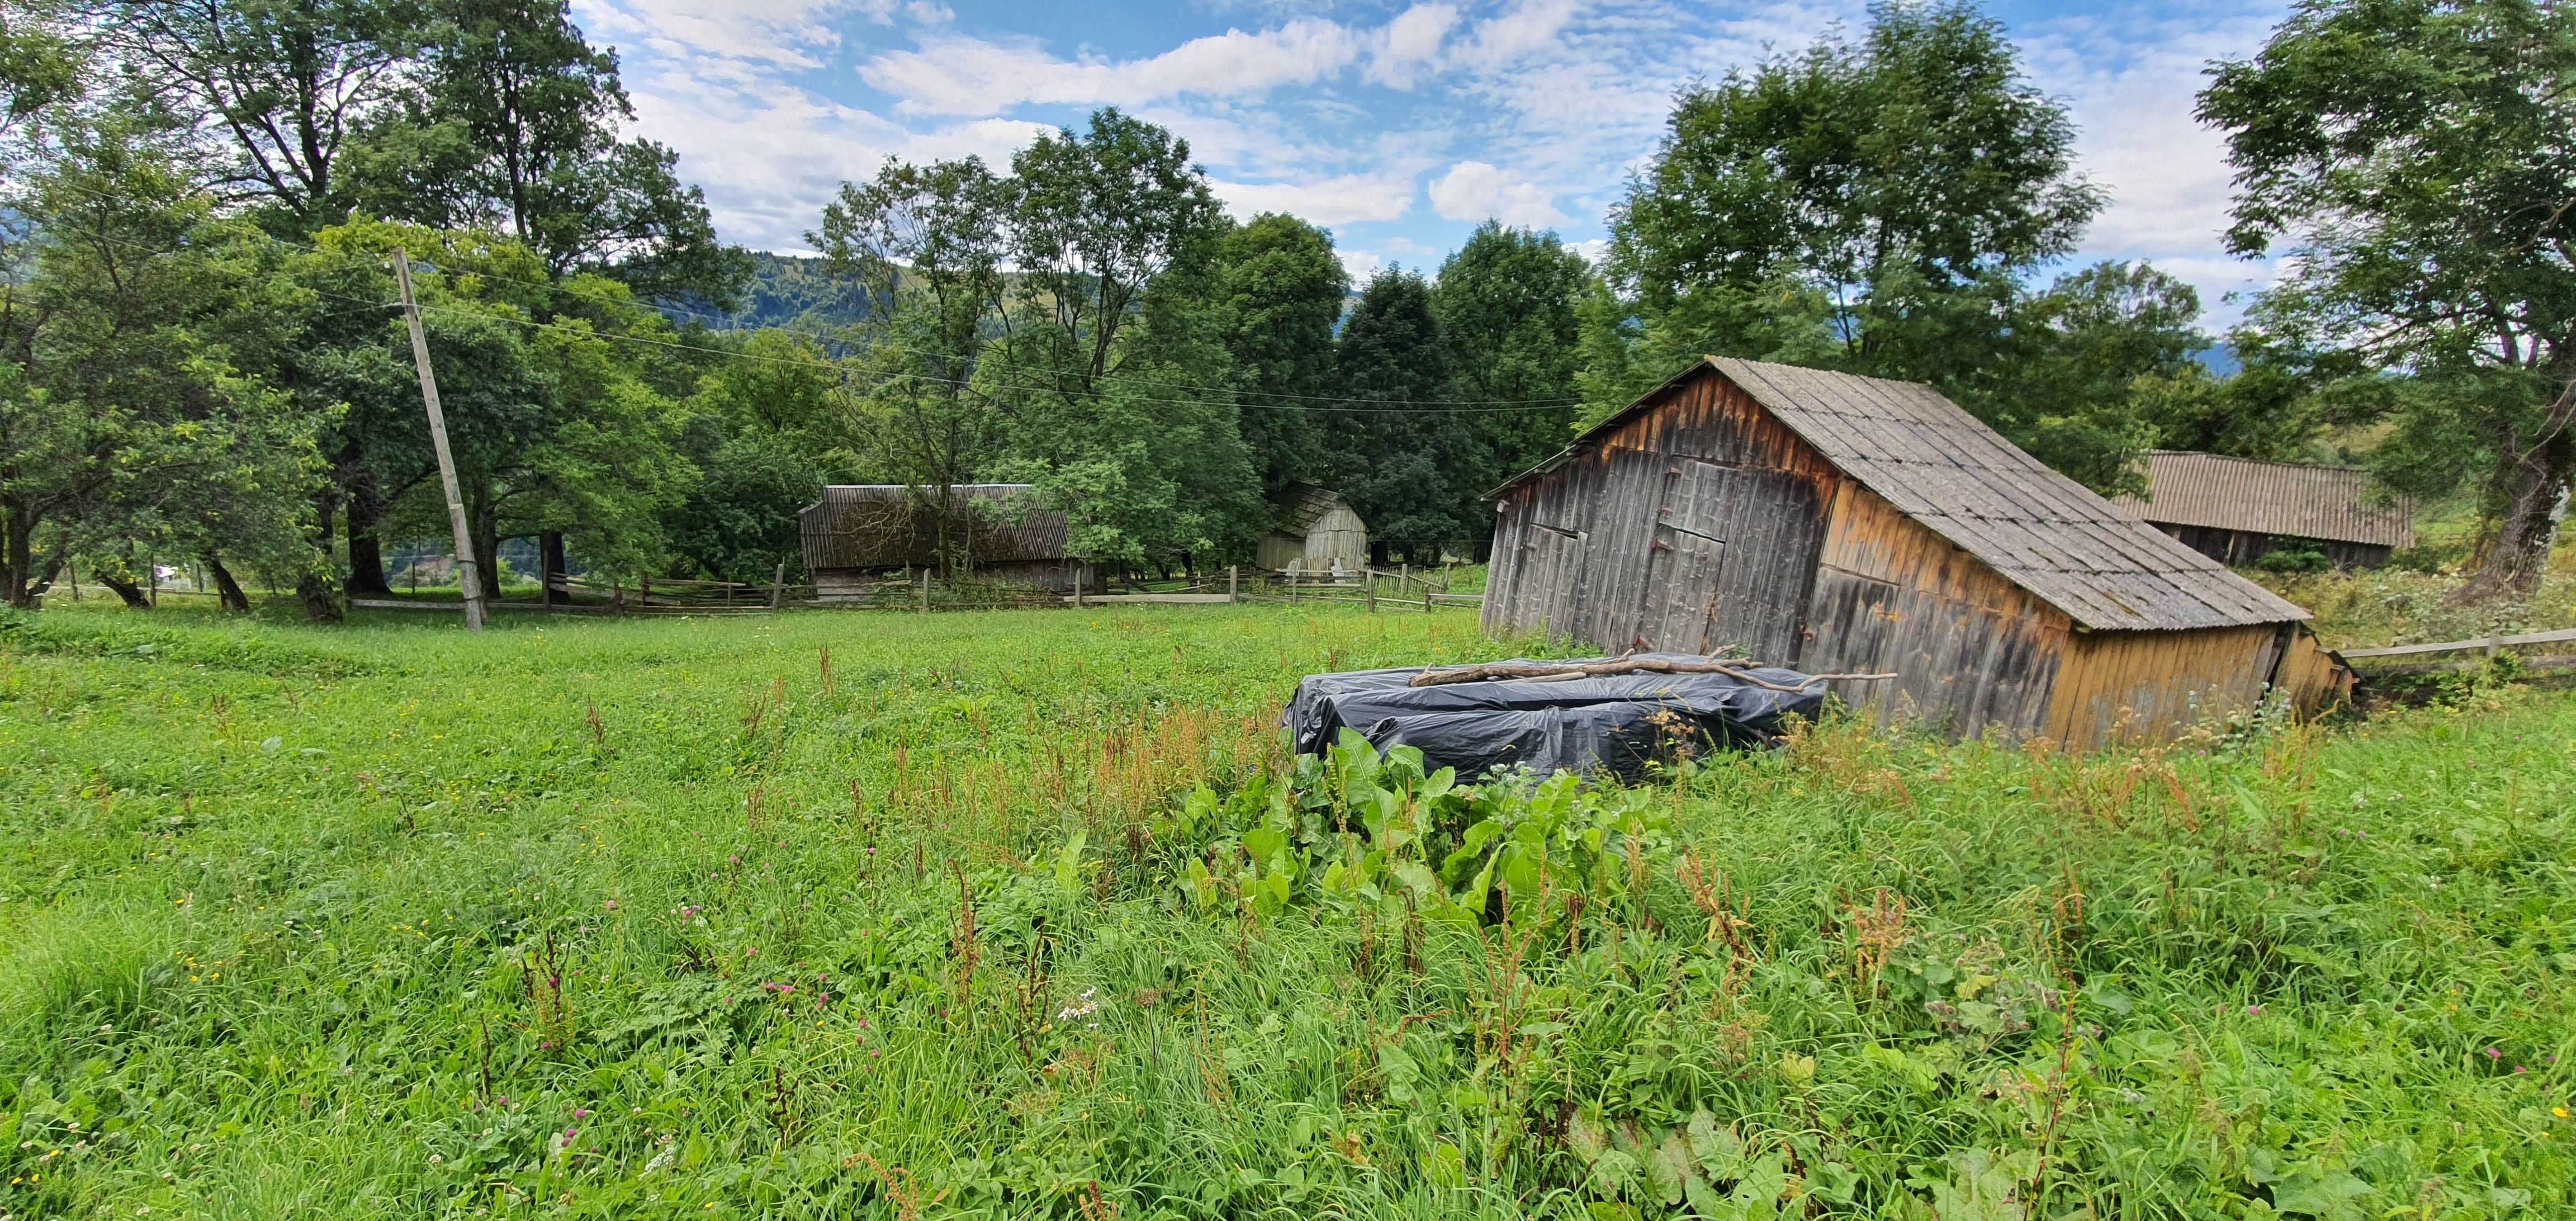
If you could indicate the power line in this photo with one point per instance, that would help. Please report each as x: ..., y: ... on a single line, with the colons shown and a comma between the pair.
x: 844, y: 370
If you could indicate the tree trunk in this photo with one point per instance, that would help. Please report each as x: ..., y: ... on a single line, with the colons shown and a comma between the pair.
x: 2533, y: 480
x: 321, y: 602
x: 483, y: 529
x: 45, y: 580
x: 17, y: 556
x: 228, y: 591
x: 133, y: 594
x: 550, y: 563
x: 366, y: 550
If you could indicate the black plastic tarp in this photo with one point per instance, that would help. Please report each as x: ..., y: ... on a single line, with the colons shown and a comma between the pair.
x: 1615, y: 723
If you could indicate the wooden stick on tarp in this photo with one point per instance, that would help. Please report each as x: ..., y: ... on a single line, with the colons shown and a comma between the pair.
x: 1623, y: 664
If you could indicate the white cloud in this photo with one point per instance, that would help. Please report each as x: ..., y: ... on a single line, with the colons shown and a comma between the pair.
x: 1339, y: 200
x: 1530, y: 26
x: 1409, y: 46
x: 1361, y: 264
x: 963, y: 75
x: 2131, y: 81
x: 1593, y: 250
x: 783, y: 32
x: 1477, y: 191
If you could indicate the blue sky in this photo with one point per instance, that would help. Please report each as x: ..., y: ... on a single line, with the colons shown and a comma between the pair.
x: 1396, y: 125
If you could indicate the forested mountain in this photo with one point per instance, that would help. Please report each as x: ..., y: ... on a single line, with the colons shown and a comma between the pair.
x: 786, y: 291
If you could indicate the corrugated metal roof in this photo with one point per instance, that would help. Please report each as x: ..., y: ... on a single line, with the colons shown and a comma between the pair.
x: 1944, y: 468
x: 2284, y: 498
x: 884, y: 525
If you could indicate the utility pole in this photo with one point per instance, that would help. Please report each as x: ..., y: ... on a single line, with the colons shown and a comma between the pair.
x: 469, y: 581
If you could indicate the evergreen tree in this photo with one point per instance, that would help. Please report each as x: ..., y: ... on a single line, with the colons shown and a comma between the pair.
x: 1401, y: 461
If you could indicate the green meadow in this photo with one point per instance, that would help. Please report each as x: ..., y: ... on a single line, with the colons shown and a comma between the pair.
x: 1024, y: 914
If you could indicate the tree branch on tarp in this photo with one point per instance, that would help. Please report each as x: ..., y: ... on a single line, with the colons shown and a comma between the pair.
x: 1623, y: 664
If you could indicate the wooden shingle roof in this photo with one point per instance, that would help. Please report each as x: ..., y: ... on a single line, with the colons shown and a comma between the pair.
x: 1947, y: 470
x: 1301, y: 505
x: 2293, y: 499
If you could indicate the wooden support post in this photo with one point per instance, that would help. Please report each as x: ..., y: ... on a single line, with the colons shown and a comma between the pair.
x: 467, y: 581
x: 1080, y: 571
x: 777, y: 585
x: 1233, y: 583
x: 1368, y: 588
x: 1294, y: 567
x: 925, y: 589
x: 152, y: 568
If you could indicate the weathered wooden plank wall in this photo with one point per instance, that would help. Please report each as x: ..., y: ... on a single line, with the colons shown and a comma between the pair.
x: 1693, y: 528
x: 1974, y: 651
x: 2238, y: 548
x: 2145, y: 686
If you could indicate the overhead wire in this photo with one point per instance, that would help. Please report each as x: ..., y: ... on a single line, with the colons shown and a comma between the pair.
x: 1330, y: 403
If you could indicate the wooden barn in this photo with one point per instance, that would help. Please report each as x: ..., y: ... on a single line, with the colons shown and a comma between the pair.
x: 1315, y: 532
x: 2234, y: 510
x: 1841, y: 524
x: 859, y: 532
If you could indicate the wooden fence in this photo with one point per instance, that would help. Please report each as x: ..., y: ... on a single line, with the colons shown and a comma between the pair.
x: 1377, y: 589
x: 2427, y: 658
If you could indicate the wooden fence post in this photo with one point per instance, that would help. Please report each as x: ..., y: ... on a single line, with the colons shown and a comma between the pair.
x: 925, y: 589
x: 1368, y: 588
x: 1080, y: 570
x: 1294, y: 567
x: 777, y: 584
x: 1233, y: 583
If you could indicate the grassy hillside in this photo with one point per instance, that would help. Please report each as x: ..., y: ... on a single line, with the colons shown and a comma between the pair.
x: 664, y: 919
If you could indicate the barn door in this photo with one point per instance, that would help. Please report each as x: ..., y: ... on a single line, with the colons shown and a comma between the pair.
x: 1550, y: 579
x: 1682, y: 572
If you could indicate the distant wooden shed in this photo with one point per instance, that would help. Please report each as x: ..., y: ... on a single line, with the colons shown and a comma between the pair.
x: 858, y: 532
x: 1836, y: 524
x: 1315, y: 531
x: 2235, y: 510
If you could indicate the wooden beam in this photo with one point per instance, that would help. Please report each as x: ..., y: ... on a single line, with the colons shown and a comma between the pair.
x: 467, y: 580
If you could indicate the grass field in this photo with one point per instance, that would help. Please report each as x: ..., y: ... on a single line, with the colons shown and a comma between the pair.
x: 892, y: 915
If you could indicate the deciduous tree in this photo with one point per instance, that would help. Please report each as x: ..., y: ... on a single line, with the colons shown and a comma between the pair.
x: 2417, y: 158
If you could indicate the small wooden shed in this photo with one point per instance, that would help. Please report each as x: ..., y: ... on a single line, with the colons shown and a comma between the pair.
x: 1841, y: 524
x: 858, y: 532
x: 2235, y: 510
x: 1315, y: 531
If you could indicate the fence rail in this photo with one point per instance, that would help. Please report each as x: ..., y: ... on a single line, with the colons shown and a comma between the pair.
x: 2486, y: 644
x: 1377, y: 589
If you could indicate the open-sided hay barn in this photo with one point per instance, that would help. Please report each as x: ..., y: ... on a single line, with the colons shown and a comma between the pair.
x: 2235, y: 510
x: 1316, y: 532
x: 1842, y: 524
x: 858, y: 532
